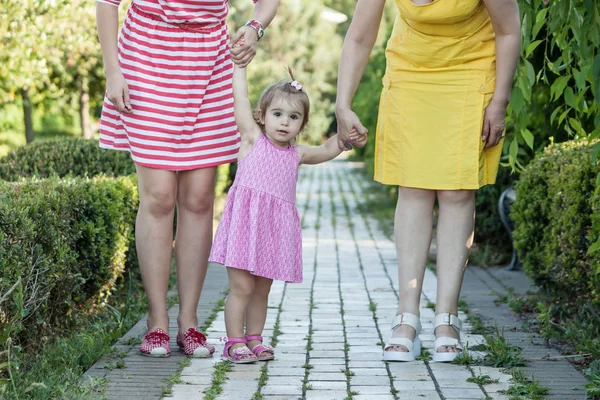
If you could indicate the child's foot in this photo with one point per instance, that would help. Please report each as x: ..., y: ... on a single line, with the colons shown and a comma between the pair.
x: 262, y: 351
x: 156, y: 344
x: 193, y: 343
x: 238, y: 352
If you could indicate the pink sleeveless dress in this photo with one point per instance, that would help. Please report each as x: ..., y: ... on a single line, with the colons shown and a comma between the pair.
x: 260, y: 229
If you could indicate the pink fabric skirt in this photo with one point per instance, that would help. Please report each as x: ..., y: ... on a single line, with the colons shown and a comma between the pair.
x: 259, y: 233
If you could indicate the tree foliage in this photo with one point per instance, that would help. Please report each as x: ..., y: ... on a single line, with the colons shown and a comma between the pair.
x: 557, y: 85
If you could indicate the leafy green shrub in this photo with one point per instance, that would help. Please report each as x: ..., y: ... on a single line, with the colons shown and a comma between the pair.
x: 557, y: 218
x: 63, y: 157
x: 493, y: 245
x: 63, y: 246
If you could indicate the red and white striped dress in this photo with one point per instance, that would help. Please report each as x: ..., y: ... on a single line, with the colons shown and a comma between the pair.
x: 174, y: 56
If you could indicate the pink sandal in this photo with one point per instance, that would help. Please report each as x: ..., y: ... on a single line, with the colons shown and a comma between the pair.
x: 239, y: 355
x: 261, y: 351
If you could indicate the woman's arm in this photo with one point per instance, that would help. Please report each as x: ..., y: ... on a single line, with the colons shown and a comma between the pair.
x: 107, y: 20
x: 357, y: 48
x: 244, y: 118
x: 264, y: 12
x: 507, y: 27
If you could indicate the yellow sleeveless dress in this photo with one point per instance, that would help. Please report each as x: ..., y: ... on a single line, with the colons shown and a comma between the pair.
x: 440, y: 76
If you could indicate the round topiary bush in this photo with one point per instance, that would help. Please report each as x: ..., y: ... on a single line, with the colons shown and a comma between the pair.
x: 64, y: 157
x: 557, y: 218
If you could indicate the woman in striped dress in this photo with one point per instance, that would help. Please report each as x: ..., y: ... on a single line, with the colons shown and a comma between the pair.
x: 169, y: 102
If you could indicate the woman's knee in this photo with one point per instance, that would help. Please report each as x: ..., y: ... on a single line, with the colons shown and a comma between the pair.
x: 158, y: 200
x: 157, y: 189
x: 196, y: 201
x: 455, y: 196
x: 196, y: 191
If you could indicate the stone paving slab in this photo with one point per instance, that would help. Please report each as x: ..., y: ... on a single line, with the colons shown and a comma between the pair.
x: 144, y: 377
x: 342, y: 310
x: 480, y: 288
x: 330, y: 329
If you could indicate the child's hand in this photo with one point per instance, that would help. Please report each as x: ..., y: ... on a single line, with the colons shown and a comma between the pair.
x: 357, y: 139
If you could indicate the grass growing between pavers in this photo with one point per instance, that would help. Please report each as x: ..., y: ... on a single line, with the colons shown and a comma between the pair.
x: 264, y: 370
x: 578, y: 341
x: 311, y: 306
x: 501, y: 354
x: 372, y: 304
x: 219, y: 377
x: 175, y: 378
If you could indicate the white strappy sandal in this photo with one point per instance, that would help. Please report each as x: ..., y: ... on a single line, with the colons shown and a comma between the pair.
x: 456, y: 323
x: 413, y: 346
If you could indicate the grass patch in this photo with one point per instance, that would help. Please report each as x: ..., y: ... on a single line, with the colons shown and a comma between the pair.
x: 478, y: 327
x: 500, y: 353
x: 463, y: 306
x: 58, y: 373
x: 425, y: 354
x: 218, y: 379
x: 482, y: 380
x: 522, y: 387
x: 465, y: 358
x: 430, y: 305
x: 372, y: 306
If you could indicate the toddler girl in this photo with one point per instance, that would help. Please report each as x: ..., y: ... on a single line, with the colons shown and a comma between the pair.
x: 259, y: 236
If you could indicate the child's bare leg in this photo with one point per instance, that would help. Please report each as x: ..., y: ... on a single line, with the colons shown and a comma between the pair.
x: 195, y: 200
x: 154, y: 239
x: 256, y: 313
x: 241, y: 287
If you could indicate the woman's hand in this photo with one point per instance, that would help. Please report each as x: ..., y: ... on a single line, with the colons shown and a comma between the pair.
x: 349, y: 129
x: 494, y: 123
x: 117, y: 92
x: 243, y: 46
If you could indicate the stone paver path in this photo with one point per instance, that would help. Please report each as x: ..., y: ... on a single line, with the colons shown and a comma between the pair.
x: 329, y: 330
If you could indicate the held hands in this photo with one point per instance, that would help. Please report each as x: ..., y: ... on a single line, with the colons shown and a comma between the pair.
x: 494, y: 123
x: 350, y: 130
x: 243, y: 46
x: 117, y: 92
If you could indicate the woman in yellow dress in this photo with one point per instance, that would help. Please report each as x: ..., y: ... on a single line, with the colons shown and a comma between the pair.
x: 450, y: 66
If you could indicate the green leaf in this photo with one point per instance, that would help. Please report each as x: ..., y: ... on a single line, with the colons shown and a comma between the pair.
x: 558, y: 87
x: 563, y: 116
x: 516, y: 99
x: 527, y: 137
x: 570, y: 98
x: 540, y: 20
x: 532, y: 47
x: 595, y: 247
x: 513, y: 150
x: 555, y: 113
x: 575, y: 124
x: 530, y: 72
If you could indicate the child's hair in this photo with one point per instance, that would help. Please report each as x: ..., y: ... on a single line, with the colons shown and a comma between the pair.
x: 291, y: 91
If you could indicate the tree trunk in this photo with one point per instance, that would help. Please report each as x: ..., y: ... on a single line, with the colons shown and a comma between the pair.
x: 27, y: 112
x: 84, y: 108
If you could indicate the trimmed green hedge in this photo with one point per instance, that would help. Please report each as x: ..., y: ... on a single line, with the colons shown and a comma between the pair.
x: 557, y: 217
x: 64, y: 243
x: 64, y: 157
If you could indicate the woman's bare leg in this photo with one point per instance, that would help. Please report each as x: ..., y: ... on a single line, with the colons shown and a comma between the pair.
x: 154, y: 239
x: 195, y: 199
x: 455, y: 229
x: 412, y: 232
